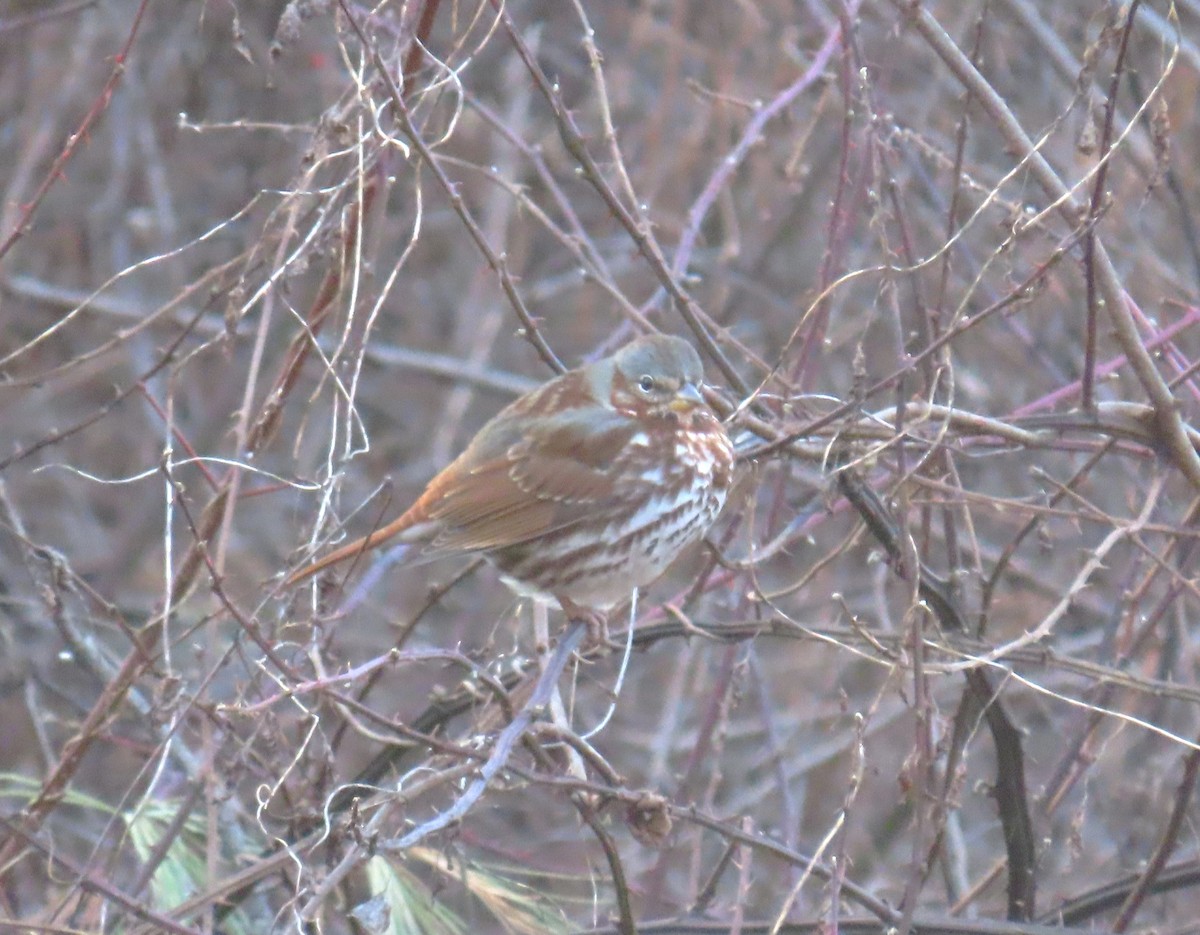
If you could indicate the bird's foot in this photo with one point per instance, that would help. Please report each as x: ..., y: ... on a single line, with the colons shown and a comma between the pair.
x: 596, y: 622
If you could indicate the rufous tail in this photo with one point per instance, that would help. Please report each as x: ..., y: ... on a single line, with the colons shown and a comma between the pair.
x: 355, y: 548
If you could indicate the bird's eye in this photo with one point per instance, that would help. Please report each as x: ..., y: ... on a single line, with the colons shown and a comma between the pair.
x: 646, y: 383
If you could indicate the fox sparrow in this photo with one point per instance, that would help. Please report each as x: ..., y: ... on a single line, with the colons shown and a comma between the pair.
x: 583, y: 489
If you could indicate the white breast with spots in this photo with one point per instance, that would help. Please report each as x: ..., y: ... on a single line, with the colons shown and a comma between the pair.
x: 636, y: 536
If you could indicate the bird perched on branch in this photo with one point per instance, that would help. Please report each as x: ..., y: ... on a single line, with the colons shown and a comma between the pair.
x: 583, y: 489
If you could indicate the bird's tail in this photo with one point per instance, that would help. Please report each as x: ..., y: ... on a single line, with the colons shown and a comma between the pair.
x: 353, y: 549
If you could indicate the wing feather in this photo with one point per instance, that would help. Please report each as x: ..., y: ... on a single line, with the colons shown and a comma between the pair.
x: 554, y: 476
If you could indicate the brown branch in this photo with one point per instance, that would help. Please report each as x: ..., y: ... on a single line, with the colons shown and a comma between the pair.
x: 647, y: 247
x: 1012, y: 800
x: 1170, y: 425
x: 497, y: 263
x: 1167, y: 843
x: 118, y: 397
x: 1094, y: 208
x: 1113, y: 895
x: 99, y: 106
x: 89, y: 882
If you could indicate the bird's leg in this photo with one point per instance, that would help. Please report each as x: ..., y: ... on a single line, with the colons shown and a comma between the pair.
x: 558, y: 711
x: 596, y: 621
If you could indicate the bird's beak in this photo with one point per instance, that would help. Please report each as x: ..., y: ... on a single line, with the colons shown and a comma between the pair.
x: 687, y: 398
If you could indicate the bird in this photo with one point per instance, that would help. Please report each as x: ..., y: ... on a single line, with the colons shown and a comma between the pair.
x: 582, y: 490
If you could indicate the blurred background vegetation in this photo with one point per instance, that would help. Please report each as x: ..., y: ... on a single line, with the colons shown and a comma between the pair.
x: 935, y: 667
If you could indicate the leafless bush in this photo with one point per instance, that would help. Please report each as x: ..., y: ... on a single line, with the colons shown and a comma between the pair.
x: 265, y: 268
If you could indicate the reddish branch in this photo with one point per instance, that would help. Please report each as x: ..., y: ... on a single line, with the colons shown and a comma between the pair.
x: 99, y: 106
